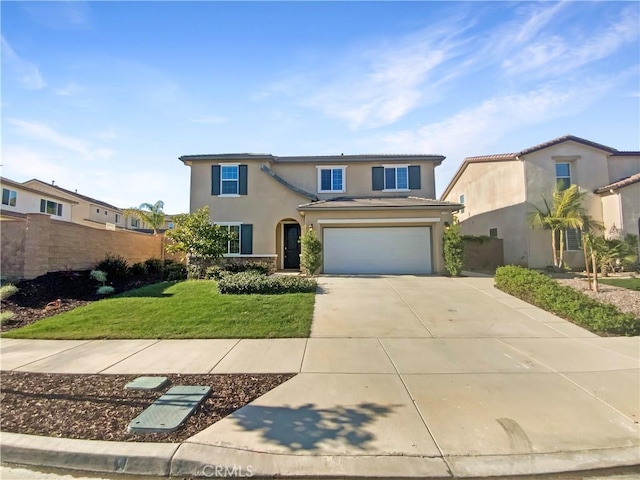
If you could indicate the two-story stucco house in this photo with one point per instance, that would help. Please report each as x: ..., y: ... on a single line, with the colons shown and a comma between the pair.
x: 497, y: 192
x: 87, y: 211
x: 373, y: 213
x: 19, y: 199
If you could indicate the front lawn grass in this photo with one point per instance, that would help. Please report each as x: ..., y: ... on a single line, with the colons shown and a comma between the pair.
x: 630, y: 283
x: 190, y: 309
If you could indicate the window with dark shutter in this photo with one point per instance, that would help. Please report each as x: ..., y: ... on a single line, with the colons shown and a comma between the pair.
x: 377, y: 178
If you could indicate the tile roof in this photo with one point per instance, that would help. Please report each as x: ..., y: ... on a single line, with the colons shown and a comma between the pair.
x: 623, y: 182
x: 514, y: 156
x: 348, y: 203
x: 9, y: 182
x: 315, y: 158
x: 77, y: 195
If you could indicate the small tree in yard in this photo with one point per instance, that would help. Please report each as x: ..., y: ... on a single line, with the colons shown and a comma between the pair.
x: 196, y: 237
x: 311, y: 257
x: 453, y: 249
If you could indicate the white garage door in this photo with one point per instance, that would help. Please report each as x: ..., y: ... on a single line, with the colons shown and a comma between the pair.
x: 377, y: 250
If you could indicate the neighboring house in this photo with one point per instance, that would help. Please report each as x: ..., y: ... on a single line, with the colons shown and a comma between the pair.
x: 19, y: 199
x: 87, y: 211
x: 373, y: 213
x: 141, y: 226
x: 497, y: 192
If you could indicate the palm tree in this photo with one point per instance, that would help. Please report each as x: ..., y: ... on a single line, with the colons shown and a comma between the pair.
x: 150, y: 214
x: 564, y: 212
x: 588, y: 230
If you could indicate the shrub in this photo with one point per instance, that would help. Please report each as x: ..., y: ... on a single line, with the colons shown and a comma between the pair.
x: 7, y: 290
x: 155, y: 268
x: 105, y: 290
x: 99, y: 276
x: 245, y: 283
x: 116, y: 268
x: 544, y: 292
x: 215, y: 272
x: 138, y: 270
x: 174, y: 271
x: 453, y: 250
x: 195, y: 271
x: 5, y: 317
x: 311, y: 257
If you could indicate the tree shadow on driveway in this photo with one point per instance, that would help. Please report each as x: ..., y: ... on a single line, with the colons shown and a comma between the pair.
x: 305, y: 427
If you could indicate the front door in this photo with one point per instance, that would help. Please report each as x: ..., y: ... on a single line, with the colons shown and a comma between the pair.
x: 292, y: 246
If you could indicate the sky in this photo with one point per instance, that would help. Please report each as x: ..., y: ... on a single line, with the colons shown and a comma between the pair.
x: 103, y: 97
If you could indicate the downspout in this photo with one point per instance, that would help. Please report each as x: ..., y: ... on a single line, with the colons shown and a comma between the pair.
x: 526, y: 196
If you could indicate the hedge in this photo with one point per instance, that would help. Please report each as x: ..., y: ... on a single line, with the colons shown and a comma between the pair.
x: 544, y: 292
x: 251, y: 282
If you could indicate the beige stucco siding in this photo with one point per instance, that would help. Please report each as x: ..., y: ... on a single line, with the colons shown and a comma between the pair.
x: 358, y: 178
x: 28, y: 201
x: 436, y: 219
x: 488, y: 186
x: 588, y: 170
x: 266, y: 204
x: 622, y: 166
x: 622, y: 210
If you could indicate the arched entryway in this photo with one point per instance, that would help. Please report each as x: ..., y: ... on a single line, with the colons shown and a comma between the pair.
x: 288, y: 233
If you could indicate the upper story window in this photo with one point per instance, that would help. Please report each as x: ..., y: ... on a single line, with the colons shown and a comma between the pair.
x: 396, y: 178
x: 331, y: 179
x: 461, y: 201
x: 563, y: 175
x: 228, y: 180
x: 9, y: 197
x: 50, y: 207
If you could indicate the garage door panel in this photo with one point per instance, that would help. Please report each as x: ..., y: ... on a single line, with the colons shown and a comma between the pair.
x: 391, y: 250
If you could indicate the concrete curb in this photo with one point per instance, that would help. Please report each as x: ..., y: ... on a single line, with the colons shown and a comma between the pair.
x: 198, y: 460
x: 89, y: 455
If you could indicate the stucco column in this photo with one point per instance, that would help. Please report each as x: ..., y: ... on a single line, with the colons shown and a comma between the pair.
x: 36, y: 245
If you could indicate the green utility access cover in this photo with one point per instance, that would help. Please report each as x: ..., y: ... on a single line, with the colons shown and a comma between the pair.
x: 170, y: 411
x: 147, y: 383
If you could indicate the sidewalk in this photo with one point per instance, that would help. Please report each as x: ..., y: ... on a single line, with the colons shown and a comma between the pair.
x: 421, y: 392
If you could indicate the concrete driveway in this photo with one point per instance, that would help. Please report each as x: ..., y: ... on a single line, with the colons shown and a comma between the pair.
x: 404, y: 376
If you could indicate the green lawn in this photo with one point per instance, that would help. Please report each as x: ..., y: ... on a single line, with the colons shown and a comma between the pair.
x: 630, y: 283
x: 191, y: 309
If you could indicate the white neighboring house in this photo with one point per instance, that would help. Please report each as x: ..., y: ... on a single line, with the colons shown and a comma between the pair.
x: 497, y: 192
x: 88, y: 211
x: 19, y: 199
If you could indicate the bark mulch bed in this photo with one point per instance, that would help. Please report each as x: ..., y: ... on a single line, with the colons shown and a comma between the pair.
x: 98, y: 407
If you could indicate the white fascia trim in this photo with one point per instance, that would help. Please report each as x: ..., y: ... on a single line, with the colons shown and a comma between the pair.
x: 229, y: 195
x: 229, y: 164
x: 345, y: 221
x: 396, y: 166
x: 224, y: 224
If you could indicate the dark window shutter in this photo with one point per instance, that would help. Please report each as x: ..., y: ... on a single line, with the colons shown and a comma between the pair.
x: 246, y: 239
x: 242, y: 177
x: 43, y: 206
x: 414, y: 177
x: 215, y: 180
x: 59, y: 209
x: 377, y: 175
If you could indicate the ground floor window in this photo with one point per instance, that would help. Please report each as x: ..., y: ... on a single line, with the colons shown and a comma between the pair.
x: 572, y: 239
x: 233, y: 245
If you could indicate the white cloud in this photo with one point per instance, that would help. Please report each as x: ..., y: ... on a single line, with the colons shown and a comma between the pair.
x: 27, y: 73
x: 46, y: 134
x: 554, y: 55
x: 471, y: 131
x: 69, y: 90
